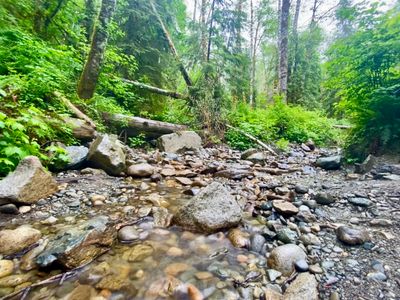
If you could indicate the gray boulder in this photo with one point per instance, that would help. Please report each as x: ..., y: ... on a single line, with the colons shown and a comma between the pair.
x: 329, y: 163
x: 211, y: 210
x: 79, y: 245
x: 179, y: 142
x: 28, y: 183
x: 107, y: 153
x: 77, y: 156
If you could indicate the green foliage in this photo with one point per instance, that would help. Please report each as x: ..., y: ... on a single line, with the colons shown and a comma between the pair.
x: 137, y: 141
x: 364, y: 73
x: 282, y: 123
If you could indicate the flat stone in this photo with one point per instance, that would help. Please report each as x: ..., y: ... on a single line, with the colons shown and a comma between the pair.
x: 211, y: 210
x: 128, y: 234
x: 352, y: 236
x: 28, y: 183
x: 203, y: 275
x: 24, y: 209
x: 138, y: 253
x: 301, y: 265
x: 184, y: 180
x: 176, y: 268
x: 179, y: 142
x: 140, y: 170
x: 15, y: 280
x: 6, y: 267
x: 329, y: 163
x: 284, y: 207
x: 316, y: 269
x: 273, y: 274
x: 283, y: 258
x: 363, y: 202
x: 13, y: 241
x: 305, y: 286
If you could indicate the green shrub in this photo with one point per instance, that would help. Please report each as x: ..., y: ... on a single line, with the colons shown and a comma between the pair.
x: 280, y: 122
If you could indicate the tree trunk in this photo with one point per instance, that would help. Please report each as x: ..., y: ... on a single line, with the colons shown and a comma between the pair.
x: 90, y: 74
x: 134, y: 126
x: 252, y: 58
x: 172, y: 46
x: 314, y: 13
x: 294, y: 62
x: 156, y: 90
x: 283, y: 48
x: 195, y: 11
x: 210, y: 31
x: 203, y: 21
x: 90, y: 16
x: 51, y: 16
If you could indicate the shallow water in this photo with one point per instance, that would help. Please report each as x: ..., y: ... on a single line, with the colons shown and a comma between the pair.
x: 161, y: 260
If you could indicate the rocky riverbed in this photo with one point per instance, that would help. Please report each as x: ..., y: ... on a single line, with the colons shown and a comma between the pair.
x: 208, y: 224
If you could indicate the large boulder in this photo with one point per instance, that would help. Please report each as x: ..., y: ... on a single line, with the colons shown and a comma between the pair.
x: 179, y: 142
x: 284, y: 257
x: 28, y: 183
x: 211, y: 210
x: 76, y: 158
x: 13, y: 241
x: 304, y: 287
x: 79, y: 245
x: 107, y: 153
x: 329, y: 163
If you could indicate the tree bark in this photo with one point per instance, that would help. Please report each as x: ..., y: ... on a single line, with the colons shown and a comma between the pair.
x: 90, y: 16
x: 203, y: 21
x: 210, y: 31
x: 134, y: 126
x: 195, y: 11
x: 171, y: 45
x: 156, y: 90
x: 90, y: 74
x: 295, y: 38
x: 252, y: 56
x: 283, y: 48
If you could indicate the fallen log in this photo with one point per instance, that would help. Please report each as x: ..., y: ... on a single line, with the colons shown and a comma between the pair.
x: 156, y: 90
x: 342, y: 126
x: 133, y: 126
x: 249, y: 136
x: 81, y: 130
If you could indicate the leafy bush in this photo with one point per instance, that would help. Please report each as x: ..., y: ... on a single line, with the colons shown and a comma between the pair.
x: 137, y: 141
x: 279, y: 122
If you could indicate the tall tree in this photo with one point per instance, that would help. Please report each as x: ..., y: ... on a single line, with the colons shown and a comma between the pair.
x: 203, y: 27
x: 91, y: 71
x: 296, y: 36
x: 283, y: 47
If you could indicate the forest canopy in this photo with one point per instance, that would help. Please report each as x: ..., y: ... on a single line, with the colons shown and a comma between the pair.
x: 269, y: 68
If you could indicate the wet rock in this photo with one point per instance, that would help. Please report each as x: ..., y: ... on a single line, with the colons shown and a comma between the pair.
x: 6, y: 267
x: 28, y: 260
x: 82, y: 292
x: 363, y: 202
x: 138, y: 253
x: 175, y: 252
x: 15, y: 280
x: 106, y: 152
x: 140, y: 170
x: 238, y: 238
x: 305, y: 286
x: 10, y: 209
x: 366, y: 166
x: 13, y: 241
x: 162, y: 217
x: 179, y: 142
x: 284, y: 207
x: 271, y: 294
x: 324, y: 198
x: 203, y: 275
x: 329, y: 163
x: 128, y: 234
x: 257, y: 242
x: 79, y: 245
x: 28, y: 183
x: 76, y: 157
x: 287, y: 236
x: 283, y: 258
x: 176, y: 268
x: 209, y: 211
x: 273, y: 274
x: 301, y: 265
x: 352, y: 236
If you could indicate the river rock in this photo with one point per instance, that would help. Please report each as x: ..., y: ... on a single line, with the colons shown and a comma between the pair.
x: 352, y: 236
x: 304, y: 287
x: 28, y: 183
x: 76, y: 157
x: 366, y: 166
x: 106, y: 152
x: 238, y: 238
x: 284, y: 257
x: 162, y: 217
x: 128, y: 234
x: 10, y: 208
x: 140, y: 170
x: 285, y: 207
x: 211, y: 210
x: 6, y: 267
x: 329, y: 163
x: 12, y: 241
x: 179, y: 142
x: 324, y: 198
x: 138, y: 253
x: 258, y: 157
x: 79, y: 245
x: 363, y: 202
